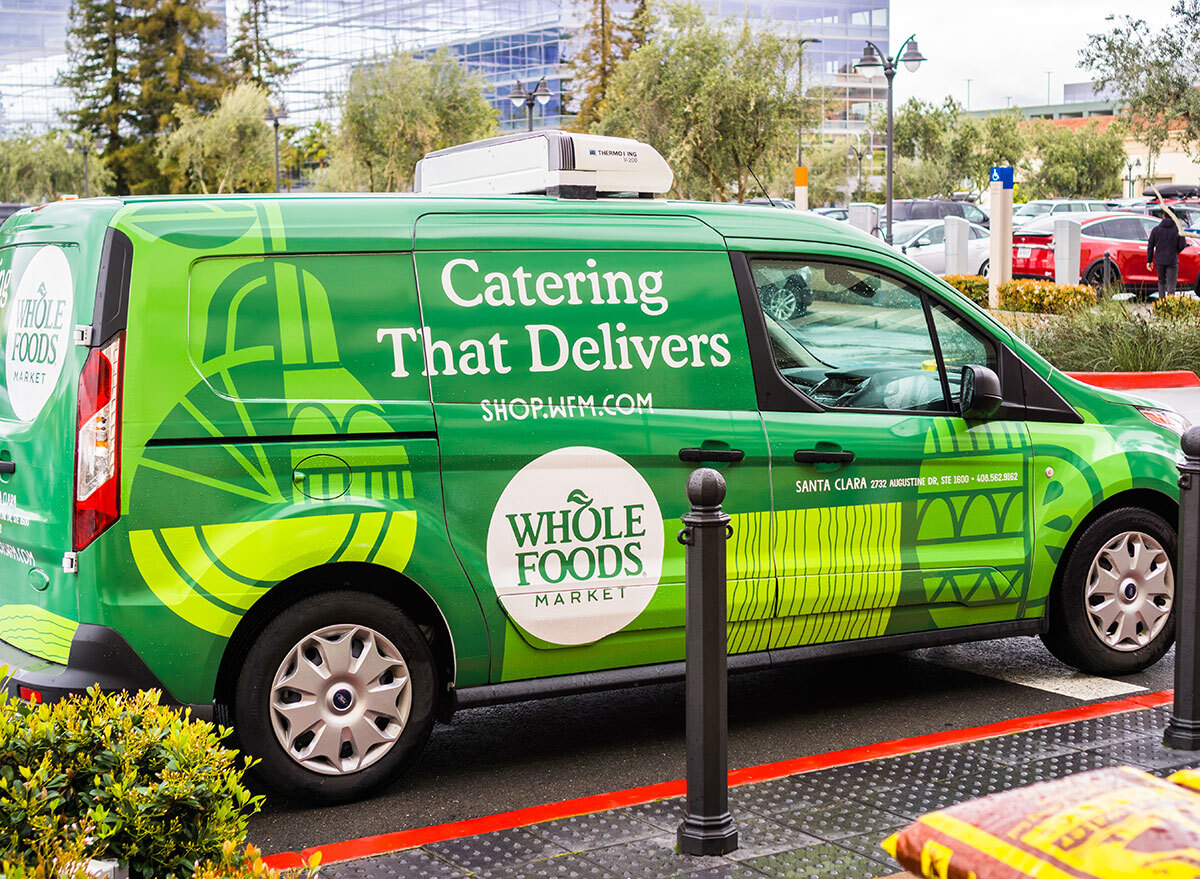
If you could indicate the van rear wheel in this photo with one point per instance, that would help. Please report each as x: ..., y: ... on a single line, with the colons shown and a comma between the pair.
x: 1113, y: 610
x: 336, y: 697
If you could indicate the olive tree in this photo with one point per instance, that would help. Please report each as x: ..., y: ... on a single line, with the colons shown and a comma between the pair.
x: 227, y: 150
x: 718, y: 99
x: 398, y: 109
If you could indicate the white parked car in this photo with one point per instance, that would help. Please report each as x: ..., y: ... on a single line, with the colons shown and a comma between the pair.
x: 1044, y: 207
x: 924, y: 241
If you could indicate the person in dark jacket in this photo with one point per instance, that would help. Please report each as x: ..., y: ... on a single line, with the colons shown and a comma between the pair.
x: 1162, y: 252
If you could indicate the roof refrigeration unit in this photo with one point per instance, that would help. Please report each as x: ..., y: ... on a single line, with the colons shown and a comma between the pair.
x: 557, y: 163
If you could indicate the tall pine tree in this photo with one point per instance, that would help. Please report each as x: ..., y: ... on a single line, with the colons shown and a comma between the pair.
x: 131, y: 62
x: 608, y: 39
x: 99, y: 42
x: 252, y: 58
x: 173, y: 63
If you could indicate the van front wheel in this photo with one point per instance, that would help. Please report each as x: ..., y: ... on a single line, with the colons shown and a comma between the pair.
x: 336, y: 697
x: 1113, y: 610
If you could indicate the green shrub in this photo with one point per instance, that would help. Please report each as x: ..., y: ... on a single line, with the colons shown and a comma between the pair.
x: 1116, y: 337
x: 64, y: 858
x: 974, y: 287
x: 1177, y: 308
x: 149, y: 787
x: 1045, y: 296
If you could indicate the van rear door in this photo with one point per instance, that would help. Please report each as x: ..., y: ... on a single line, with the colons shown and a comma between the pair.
x: 49, y: 262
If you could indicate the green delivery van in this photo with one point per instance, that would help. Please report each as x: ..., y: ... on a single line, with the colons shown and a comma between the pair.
x: 329, y: 467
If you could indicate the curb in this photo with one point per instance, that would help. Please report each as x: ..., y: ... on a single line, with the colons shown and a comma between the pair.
x: 1130, y: 381
x: 385, y: 843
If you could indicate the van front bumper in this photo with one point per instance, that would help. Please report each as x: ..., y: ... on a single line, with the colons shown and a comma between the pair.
x: 99, y: 657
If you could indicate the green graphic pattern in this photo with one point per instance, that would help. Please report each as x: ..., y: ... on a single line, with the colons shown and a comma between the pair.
x: 850, y: 557
x: 37, y: 631
x: 990, y: 521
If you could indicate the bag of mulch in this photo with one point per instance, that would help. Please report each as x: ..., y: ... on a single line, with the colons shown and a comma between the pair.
x: 1096, y: 825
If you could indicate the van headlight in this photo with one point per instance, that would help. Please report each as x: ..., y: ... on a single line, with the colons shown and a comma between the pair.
x: 1168, y: 418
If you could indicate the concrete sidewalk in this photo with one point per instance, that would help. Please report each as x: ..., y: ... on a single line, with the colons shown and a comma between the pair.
x: 827, y: 822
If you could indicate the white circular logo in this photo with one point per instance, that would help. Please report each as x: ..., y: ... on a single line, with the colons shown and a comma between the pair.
x: 39, y: 324
x: 575, y: 546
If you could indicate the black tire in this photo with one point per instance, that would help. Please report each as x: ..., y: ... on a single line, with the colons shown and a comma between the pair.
x: 1094, y: 277
x: 278, y: 771
x: 1070, y: 636
x: 984, y: 267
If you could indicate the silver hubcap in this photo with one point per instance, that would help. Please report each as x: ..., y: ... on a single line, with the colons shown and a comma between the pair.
x: 340, y: 699
x: 1130, y: 591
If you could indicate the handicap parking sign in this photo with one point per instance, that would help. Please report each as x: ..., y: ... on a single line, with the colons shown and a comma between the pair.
x: 1002, y: 174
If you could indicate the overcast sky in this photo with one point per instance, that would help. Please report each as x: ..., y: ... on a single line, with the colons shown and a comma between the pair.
x: 1004, y: 46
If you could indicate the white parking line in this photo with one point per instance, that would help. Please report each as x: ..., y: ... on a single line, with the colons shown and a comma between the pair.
x: 1029, y: 668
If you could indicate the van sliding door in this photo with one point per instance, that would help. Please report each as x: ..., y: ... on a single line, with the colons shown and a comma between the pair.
x: 572, y: 357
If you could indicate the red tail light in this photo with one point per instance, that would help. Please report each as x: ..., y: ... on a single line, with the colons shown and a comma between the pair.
x: 98, y: 442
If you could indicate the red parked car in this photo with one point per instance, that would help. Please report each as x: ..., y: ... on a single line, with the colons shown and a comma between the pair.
x: 1115, y: 240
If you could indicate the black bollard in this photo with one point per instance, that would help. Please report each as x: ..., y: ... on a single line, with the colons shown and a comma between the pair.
x: 1183, y: 730
x: 707, y: 828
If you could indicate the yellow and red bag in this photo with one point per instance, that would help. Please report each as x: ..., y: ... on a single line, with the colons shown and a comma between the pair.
x: 1096, y: 825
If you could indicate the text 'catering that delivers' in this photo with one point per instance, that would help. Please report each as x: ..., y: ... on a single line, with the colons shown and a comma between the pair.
x: 548, y: 347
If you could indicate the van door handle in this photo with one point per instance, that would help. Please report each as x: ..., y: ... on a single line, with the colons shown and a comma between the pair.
x: 8, y: 466
x: 715, y: 456
x: 818, y: 456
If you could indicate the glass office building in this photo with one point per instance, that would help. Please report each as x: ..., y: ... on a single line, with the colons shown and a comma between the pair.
x: 33, y: 52
x: 842, y: 29
x: 505, y: 40
x: 511, y: 41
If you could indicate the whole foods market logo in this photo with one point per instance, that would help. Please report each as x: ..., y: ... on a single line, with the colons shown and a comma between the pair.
x: 39, y: 318
x: 575, y: 545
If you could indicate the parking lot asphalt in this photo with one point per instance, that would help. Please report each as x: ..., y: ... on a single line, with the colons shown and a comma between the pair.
x: 508, y: 757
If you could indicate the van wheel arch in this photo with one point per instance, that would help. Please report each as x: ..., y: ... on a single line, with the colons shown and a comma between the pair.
x: 1148, y: 499
x: 365, y: 577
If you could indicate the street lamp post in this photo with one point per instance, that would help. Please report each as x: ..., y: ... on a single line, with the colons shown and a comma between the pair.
x: 539, y: 94
x: 1136, y: 163
x: 872, y: 57
x: 861, y: 154
x: 274, y: 114
x: 84, y: 145
x: 800, y: 90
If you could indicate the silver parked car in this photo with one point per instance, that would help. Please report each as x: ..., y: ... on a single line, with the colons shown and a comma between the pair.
x: 925, y: 243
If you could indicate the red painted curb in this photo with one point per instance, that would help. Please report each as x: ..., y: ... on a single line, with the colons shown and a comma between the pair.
x: 403, y: 839
x: 1128, y: 381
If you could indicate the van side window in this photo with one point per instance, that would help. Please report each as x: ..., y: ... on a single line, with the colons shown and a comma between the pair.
x: 847, y: 337
x: 960, y: 345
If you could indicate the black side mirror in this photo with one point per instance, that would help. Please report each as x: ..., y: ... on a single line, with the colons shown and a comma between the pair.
x: 979, y: 395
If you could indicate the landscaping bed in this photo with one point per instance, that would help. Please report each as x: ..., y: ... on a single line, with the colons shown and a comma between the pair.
x: 1080, y: 329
